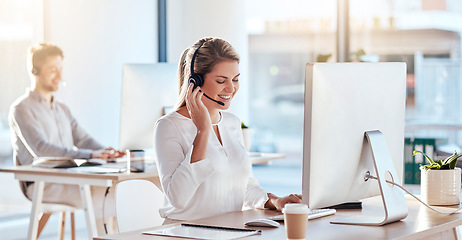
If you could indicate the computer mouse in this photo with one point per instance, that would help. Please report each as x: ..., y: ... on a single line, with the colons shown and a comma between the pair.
x: 263, y: 222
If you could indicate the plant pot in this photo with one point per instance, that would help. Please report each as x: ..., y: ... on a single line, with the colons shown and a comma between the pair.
x: 441, y: 187
x: 247, y: 138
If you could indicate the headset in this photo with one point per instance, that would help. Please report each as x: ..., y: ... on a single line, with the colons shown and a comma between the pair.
x: 35, y: 71
x: 197, y: 79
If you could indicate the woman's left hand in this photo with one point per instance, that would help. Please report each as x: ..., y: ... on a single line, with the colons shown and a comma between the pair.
x: 278, y: 203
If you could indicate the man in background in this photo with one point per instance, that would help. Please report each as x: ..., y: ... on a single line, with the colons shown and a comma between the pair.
x: 41, y: 126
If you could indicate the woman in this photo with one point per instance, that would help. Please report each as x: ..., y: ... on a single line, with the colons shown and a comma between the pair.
x: 203, y: 165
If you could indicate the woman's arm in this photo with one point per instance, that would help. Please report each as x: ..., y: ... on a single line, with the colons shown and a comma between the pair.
x: 179, y: 177
x: 201, y: 118
x: 200, y: 145
x: 277, y: 203
x: 258, y: 198
x: 182, y: 167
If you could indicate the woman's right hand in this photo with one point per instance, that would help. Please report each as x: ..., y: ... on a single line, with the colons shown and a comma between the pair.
x: 201, y: 118
x: 197, y: 110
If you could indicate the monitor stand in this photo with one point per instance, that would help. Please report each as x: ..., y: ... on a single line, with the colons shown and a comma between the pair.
x: 393, y: 200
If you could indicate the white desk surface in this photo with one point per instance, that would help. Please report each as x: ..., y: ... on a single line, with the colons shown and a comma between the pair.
x: 65, y: 176
x: 30, y: 173
x: 51, y: 175
x: 264, y: 158
x: 420, y: 223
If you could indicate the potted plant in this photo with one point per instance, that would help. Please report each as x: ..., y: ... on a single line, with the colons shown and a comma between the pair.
x: 440, y: 180
x: 247, y: 136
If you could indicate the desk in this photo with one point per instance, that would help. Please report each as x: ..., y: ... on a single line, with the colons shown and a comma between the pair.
x: 421, y: 223
x: 84, y: 180
x: 257, y: 158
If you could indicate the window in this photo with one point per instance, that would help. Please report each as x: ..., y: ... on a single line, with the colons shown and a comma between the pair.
x: 20, y: 24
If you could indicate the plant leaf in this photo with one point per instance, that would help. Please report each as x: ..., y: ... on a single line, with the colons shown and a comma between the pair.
x: 426, y: 167
x: 429, y: 159
x: 452, y: 158
x: 445, y: 167
x: 435, y: 166
x: 452, y: 164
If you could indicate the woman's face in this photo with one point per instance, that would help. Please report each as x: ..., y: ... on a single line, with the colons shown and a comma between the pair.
x: 221, y: 84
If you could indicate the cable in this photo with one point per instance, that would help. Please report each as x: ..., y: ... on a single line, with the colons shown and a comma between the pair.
x: 428, y: 206
x: 104, y: 204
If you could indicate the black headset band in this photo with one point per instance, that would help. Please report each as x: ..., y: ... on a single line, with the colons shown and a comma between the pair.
x: 194, y: 57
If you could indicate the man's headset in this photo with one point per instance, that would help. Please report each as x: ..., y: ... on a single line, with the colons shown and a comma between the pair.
x: 35, y: 71
x: 197, y: 79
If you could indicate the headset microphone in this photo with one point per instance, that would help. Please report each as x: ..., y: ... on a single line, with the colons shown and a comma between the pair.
x: 219, y: 102
x: 196, y: 78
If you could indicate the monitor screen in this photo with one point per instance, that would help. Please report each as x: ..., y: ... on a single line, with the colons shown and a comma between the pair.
x: 148, y: 90
x: 342, y: 102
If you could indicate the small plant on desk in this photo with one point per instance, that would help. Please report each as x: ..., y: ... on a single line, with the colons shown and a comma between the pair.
x: 448, y: 163
x: 246, y: 135
x: 440, y: 180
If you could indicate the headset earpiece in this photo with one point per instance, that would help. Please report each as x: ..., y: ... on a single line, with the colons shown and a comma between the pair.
x: 35, y: 71
x: 196, y: 79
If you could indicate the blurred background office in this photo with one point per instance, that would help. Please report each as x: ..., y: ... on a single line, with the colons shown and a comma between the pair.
x: 275, y: 39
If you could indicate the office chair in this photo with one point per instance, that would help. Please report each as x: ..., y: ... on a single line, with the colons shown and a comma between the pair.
x: 50, y: 208
x: 137, y: 205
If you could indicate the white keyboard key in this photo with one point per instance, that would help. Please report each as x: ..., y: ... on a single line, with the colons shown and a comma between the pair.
x: 314, y: 213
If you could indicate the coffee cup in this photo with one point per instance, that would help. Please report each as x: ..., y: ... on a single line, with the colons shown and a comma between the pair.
x: 295, y: 220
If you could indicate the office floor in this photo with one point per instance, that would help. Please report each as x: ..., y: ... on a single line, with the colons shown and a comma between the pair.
x: 281, y: 177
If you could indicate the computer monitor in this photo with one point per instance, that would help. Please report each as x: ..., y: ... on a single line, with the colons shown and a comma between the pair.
x: 148, y: 90
x: 342, y: 102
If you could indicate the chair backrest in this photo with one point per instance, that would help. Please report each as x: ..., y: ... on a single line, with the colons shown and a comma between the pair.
x: 137, y: 205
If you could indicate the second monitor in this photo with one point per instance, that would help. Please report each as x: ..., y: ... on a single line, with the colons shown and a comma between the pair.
x: 146, y: 90
x: 343, y: 101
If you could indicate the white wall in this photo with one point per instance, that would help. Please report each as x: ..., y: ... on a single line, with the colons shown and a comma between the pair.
x: 188, y: 21
x: 97, y: 38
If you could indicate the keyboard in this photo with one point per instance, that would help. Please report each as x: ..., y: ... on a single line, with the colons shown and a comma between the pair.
x: 314, y: 213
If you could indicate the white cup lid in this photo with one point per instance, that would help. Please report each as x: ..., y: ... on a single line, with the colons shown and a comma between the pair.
x: 296, y: 208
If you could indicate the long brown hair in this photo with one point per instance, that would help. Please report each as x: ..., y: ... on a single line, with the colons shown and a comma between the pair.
x: 212, y: 52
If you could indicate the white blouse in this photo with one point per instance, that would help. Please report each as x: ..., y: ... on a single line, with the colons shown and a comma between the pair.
x: 220, y: 183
